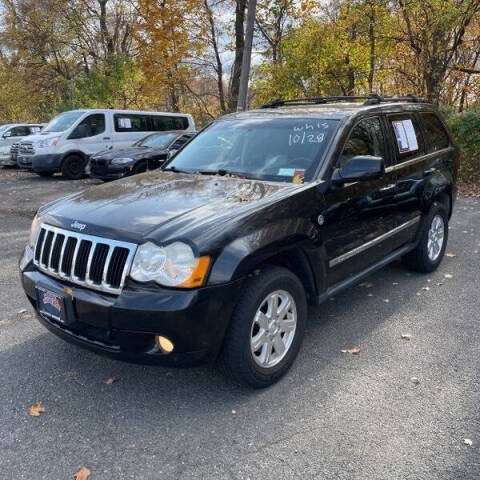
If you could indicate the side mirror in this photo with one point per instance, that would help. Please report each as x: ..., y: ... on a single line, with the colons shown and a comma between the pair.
x: 7, y: 135
x: 359, y: 168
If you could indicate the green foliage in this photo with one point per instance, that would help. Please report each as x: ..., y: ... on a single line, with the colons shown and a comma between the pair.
x: 108, y: 85
x: 465, y: 128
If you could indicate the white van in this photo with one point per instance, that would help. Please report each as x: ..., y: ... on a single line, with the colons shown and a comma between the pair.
x: 67, y: 142
x: 14, y: 133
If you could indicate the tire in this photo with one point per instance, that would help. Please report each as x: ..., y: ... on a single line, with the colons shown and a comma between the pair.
x: 73, y: 167
x: 237, y: 358
x: 45, y: 174
x: 426, y: 257
x: 140, y: 167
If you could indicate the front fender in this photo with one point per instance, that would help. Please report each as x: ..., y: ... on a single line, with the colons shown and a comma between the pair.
x: 243, y: 254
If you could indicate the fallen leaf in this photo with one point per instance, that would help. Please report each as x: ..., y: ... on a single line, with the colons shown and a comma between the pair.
x: 82, y: 474
x: 68, y: 291
x: 415, y: 380
x: 366, y: 284
x: 352, y: 351
x: 110, y: 380
x: 407, y: 336
x: 369, y: 294
x: 244, y: 198
x: 234, y: 412
x: 386, y: 300
x: 450, y: 254
x: 22, y: 311
x: 448, y: 275
x: 36, y: 409
x: 394, y: 283
x: 467, y: 441
x: 426, y: 288
x: 440, y: 283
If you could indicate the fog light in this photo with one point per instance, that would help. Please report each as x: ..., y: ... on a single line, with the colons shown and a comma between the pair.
x: 164, y: 344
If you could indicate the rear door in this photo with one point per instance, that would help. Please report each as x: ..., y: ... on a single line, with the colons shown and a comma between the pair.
x: 415, y: 160
x: 361, y: 219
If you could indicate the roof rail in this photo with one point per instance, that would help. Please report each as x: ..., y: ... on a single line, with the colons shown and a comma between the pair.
x: 372, y: 99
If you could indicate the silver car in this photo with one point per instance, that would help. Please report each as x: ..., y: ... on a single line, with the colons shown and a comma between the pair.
x: 10, y: 136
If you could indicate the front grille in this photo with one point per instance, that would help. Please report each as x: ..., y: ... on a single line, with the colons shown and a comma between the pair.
x: 14, y: 148
x: 26, y: 148
x: 94, y: 262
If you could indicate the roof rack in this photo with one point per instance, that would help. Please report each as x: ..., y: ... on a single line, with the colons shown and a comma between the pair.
x: 373, y: 99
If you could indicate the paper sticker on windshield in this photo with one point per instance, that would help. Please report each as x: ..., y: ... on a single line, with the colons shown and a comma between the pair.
x: 406, y: 136
x: 286, y: 172
x: 299, y: 176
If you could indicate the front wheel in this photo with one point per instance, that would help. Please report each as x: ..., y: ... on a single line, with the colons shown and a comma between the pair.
x: 266, y: 328
x: 73, y: 167
x: 428, y: 254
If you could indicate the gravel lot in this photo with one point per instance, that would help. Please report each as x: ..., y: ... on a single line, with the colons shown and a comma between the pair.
x: 334, y: 416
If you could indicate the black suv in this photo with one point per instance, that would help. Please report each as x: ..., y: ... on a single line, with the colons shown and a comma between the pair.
x: 217, y: 254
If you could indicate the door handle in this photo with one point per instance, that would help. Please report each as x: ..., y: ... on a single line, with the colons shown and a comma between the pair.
x: 106, y: 138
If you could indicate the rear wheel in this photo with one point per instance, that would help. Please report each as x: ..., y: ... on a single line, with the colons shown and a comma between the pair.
x: 73, y: 167
x: 433, y: 241
x: 266, y: 328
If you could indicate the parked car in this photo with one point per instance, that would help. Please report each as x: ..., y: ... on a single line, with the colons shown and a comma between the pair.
x: 217, y: 254
x: 10, y: 135
x: 68, y: 141
x: 148, y: 153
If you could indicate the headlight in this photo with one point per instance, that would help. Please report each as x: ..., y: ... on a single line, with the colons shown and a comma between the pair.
x: 34, y: 231
x: 122, y: 161
x: 174, y: 265
x: 49, y: 142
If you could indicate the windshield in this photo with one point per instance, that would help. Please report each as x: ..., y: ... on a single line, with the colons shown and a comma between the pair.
x: 281, y: 149
x: 63, y: 122
x: 157, y: 140
x: 4, y: 127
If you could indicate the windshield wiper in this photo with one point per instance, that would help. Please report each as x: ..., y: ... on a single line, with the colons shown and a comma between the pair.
x: 176, y: 170
x: 222, y: 173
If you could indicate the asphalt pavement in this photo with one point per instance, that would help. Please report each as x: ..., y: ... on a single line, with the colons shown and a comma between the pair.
x: 334, y: 416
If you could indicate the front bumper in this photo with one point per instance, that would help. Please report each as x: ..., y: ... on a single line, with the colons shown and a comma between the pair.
x: 24, y: 161
x: 106, y: 171
x: 7, y: 161
x: 125, y: 326
x: 49, y: 162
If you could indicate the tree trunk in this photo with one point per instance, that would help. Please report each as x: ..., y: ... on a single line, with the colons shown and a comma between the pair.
x: 371, y: 37
x: 240, y: 7
x: 219, y: 66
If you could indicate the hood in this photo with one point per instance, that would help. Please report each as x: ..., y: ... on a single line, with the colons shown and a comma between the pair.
x: 163, y: 205
x: 41, y: 136
x: 130, y: 152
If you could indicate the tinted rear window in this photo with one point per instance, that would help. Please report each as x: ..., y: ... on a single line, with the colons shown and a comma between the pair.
x: 435, y: 135
x: 132, y: 122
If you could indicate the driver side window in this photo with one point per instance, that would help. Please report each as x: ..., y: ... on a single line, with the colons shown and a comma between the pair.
x: 90, y: 126
x: 366, y: 138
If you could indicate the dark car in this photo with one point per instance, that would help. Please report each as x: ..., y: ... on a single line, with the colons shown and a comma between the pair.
x: 217, y: 254
x: 148, y: 153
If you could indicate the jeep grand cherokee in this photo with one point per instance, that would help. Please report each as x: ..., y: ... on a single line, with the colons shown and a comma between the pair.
x: 218, y: 254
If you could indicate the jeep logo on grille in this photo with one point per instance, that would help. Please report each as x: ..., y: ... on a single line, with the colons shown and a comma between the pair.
x: 78, y: 225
